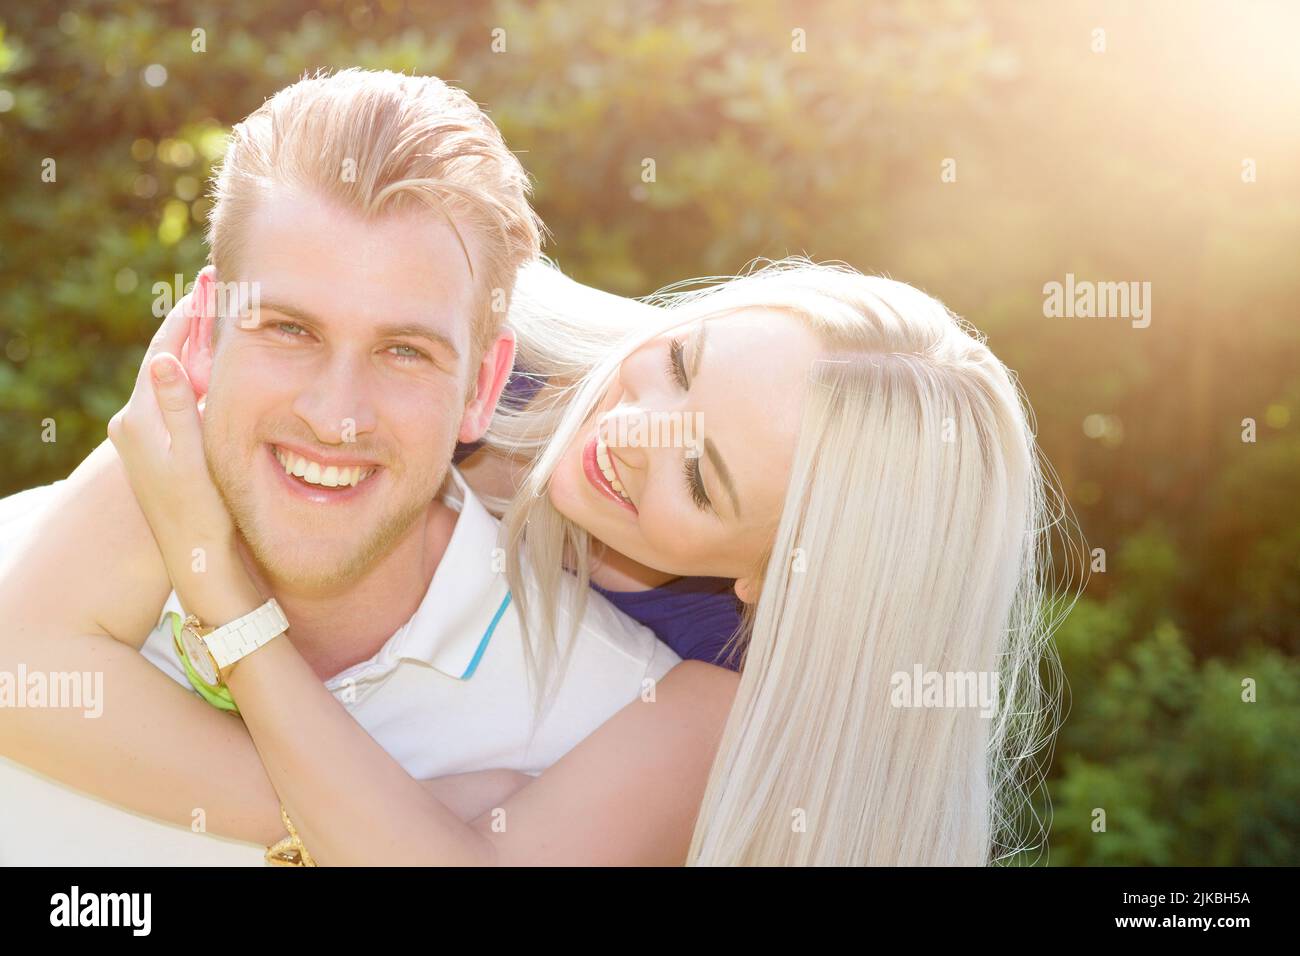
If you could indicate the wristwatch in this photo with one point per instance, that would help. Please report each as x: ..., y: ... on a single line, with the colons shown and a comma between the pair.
x: 207, y: 653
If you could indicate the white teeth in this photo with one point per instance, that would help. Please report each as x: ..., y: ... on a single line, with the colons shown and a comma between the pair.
x: 606, y: 466
x: 327, y: 476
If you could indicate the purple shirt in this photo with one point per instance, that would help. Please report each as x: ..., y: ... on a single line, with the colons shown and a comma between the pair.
x: 696, y: 617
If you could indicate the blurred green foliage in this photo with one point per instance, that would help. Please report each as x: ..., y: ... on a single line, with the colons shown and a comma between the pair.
x: 1123, y: 164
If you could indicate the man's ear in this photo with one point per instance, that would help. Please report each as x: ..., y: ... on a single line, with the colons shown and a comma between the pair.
x: 199, y: 345
x: 493, y: 373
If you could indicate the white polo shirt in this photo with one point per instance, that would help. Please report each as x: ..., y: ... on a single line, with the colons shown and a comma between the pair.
x: 447, y: 693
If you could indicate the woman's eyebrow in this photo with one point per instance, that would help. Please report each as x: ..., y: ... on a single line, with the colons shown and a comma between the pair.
x: 711, y: 452
x: 697, y: 348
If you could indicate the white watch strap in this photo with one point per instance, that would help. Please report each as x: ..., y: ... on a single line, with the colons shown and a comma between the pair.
x: 246, y: 634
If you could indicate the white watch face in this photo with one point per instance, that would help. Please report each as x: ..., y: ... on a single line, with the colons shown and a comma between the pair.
x: 199, y: 657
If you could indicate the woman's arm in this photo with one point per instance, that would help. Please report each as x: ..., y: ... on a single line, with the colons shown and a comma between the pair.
x: 79, y: 594
x: 470, y: 795
x: 87, y: 558
x: 80, y: 591
x: 629, y: 794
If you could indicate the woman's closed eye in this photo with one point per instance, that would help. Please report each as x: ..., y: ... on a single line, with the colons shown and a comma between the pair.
x: 691, y: 464
x: 695, y: 484
x: 677, y: 363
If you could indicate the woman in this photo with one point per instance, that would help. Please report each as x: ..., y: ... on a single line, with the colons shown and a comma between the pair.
x: 885, y: 513
x: 894, y: 514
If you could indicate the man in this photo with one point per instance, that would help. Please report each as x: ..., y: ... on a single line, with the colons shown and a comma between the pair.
x: 367, y: 228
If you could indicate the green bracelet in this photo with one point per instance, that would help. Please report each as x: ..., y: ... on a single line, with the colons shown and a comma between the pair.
x: 217, y: 695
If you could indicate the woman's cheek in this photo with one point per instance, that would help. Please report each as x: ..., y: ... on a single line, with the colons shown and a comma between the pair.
x: 672, y: 538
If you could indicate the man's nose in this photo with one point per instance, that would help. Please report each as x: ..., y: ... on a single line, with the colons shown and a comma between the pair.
x: 337, y: 403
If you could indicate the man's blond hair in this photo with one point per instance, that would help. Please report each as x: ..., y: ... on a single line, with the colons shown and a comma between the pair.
x: 380, y: 143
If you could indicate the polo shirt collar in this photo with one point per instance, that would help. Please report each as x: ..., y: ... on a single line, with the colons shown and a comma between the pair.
x: 466, y: 600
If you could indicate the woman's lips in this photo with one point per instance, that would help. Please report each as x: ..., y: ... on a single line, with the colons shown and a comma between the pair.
x: 594, y: 475
x: 319, y: 494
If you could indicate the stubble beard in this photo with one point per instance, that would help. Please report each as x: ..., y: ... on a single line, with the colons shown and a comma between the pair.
x: 291, y: 562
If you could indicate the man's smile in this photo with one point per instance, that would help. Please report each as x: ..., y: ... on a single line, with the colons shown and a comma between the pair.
x: 319, y: 478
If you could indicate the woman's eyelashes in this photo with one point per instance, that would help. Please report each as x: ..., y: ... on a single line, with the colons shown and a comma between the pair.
x: 691, y: 465
x: 677, y: 363
x: 695, y: 484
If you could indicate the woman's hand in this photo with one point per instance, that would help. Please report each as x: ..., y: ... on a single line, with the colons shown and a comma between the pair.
x: 159, y: 436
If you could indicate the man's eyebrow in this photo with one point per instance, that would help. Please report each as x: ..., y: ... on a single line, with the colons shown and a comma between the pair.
x: 711, y: 451
x: 394, y: 330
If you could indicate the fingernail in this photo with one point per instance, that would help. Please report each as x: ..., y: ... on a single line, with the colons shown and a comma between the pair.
x: 164, y: 371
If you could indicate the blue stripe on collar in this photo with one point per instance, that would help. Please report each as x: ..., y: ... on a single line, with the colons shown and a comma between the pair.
x: 487, y: 636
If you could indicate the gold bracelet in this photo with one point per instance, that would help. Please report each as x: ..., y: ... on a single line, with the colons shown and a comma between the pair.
x: 290, y: 851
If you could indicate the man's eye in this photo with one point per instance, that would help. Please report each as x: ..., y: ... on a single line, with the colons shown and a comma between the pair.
x: 281, y: 326
x: 412, y: 353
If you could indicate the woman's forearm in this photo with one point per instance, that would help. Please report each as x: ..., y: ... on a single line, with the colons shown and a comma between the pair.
x: 158, y: 750
x: 80, y: 590
x: 351, y: 802
x: 627, y: 795
x: 142, y: 742
x: 147, y: 744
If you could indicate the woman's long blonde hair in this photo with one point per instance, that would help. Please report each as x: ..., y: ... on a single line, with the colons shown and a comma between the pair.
x: 914, y: 539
